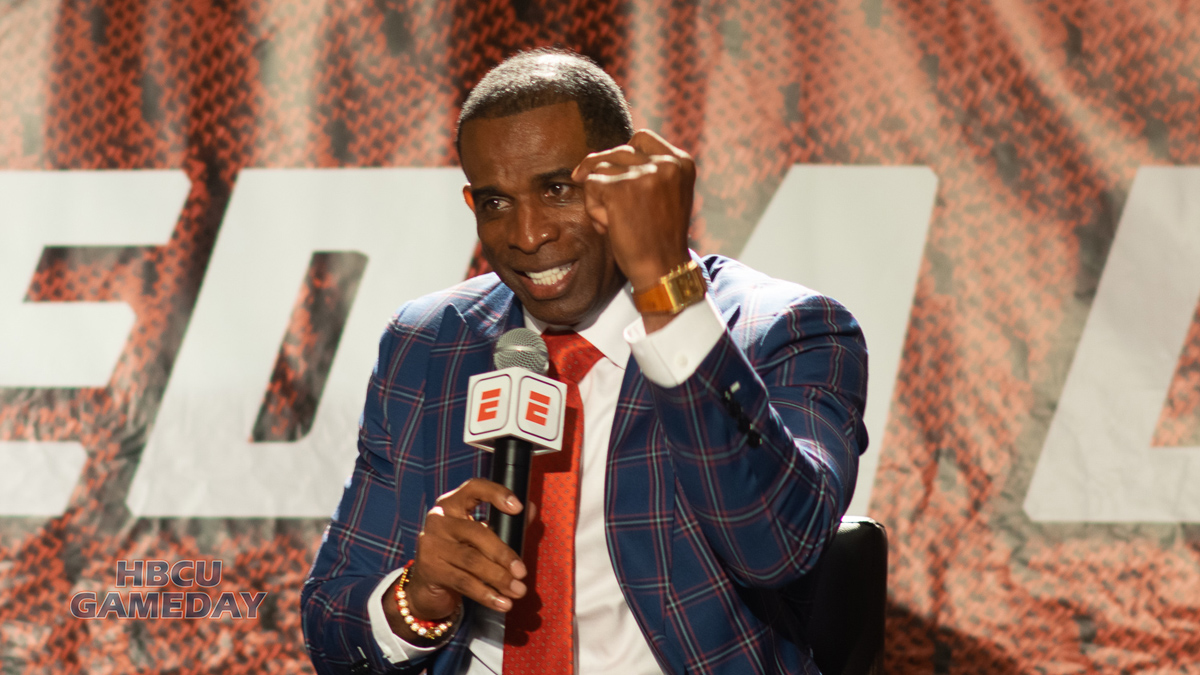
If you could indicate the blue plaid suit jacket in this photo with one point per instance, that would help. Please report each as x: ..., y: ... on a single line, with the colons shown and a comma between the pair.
x: 718, y: 490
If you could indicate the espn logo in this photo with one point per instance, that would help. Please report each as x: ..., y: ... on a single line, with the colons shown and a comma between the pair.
x: 515, y: 402
x: 490, y: 403
x: 537, y: 408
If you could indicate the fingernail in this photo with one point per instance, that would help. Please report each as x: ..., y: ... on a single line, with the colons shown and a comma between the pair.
x: 517, y: 588
x: 518, y: 569
x: 512, y: 502
x: 502, y: 604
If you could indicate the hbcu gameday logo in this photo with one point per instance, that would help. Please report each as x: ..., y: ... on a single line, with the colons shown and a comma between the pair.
x: 167, y: 604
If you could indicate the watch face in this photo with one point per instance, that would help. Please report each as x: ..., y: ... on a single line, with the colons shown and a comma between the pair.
x: 677, y: 290
x: 693, y: 285
x: 687, y: 288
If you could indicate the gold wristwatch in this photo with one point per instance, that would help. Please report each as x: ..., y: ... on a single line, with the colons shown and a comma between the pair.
x: 677, y: 289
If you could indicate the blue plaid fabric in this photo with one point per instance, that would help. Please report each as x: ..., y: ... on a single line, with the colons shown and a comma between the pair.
x: 719, y: 490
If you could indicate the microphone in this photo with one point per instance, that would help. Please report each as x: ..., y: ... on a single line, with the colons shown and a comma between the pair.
x: 522, y: 348
x: 515, y: 412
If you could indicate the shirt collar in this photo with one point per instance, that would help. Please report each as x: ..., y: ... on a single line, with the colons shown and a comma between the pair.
x: 605, y: 330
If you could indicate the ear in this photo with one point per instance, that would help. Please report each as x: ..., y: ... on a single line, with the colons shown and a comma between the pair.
x: 468, y: 198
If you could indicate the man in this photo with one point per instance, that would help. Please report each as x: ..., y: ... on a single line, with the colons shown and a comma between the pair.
x: 721, y: 427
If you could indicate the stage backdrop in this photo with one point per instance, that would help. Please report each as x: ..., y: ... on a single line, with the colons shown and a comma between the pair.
x: 209, y: 209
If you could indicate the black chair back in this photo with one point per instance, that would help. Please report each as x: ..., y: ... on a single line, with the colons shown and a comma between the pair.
x: 840, y: 602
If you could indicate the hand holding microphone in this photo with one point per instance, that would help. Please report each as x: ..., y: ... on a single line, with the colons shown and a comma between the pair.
x: 515, y: 412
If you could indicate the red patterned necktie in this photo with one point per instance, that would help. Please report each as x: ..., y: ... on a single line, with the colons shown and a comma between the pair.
x: 538, y: 631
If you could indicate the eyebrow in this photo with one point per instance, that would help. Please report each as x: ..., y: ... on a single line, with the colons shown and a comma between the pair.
x: 555, y: 174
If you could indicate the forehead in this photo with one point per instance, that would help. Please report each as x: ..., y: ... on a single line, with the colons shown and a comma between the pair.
x: 515, y: 148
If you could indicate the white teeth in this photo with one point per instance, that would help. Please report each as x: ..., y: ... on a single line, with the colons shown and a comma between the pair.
x: 549, y: 277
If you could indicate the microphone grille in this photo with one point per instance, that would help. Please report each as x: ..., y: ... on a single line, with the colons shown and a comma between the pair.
x: 522, y: 348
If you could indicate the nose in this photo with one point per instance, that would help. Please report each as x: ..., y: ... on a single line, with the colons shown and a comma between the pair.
x: 533, y: 228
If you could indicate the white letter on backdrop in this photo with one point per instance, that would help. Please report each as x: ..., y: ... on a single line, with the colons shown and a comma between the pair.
x: 200, y: 460
x: 1097, y: 464
x: 67, y: 344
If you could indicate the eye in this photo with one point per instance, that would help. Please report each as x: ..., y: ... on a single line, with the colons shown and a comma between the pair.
x: 489, y: 205
x: 561, y: 192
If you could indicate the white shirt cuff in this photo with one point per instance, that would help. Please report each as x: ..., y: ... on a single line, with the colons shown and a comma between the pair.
x: 671, y: 354
x: 395, y: 649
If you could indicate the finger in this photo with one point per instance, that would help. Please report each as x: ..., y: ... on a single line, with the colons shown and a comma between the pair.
x: 434, y: 589
x: 593, y: 202
x: 622, y: 155
x: 608, y: 168
x: 607, y: 174
x: 446, y: 569
x: 460, y: 502
x: 466, y: 583
x: 505, y: 579
x: 476, y: 564
x: 650, y: 143
x: 485, y: 549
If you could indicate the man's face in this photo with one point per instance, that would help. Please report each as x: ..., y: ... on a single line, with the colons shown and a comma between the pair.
x: 530, y: 215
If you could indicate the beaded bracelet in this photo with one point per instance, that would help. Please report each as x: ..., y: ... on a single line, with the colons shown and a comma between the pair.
x: 426, y: 629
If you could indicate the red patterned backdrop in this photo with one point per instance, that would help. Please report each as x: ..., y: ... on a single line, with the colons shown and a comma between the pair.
x: 1034, y: 116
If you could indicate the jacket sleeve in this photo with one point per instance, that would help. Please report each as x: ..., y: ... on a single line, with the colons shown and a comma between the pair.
x: 764, y: 440
x: 371, y: 531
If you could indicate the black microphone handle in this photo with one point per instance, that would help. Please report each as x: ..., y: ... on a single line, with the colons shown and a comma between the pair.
x: 510, y: 467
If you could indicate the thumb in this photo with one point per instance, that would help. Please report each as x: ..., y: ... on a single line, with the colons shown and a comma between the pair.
x: 593, y: 201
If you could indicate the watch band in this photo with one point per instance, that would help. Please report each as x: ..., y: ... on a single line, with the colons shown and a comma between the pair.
x: 677, y: 289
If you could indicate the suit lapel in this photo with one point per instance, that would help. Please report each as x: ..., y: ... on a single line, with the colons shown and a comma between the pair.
x: 463, y: 348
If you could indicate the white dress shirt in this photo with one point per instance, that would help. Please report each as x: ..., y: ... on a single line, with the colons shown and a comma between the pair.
x: 609, y: 640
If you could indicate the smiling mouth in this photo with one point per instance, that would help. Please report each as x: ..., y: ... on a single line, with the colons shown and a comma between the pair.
x: 551, y: 276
